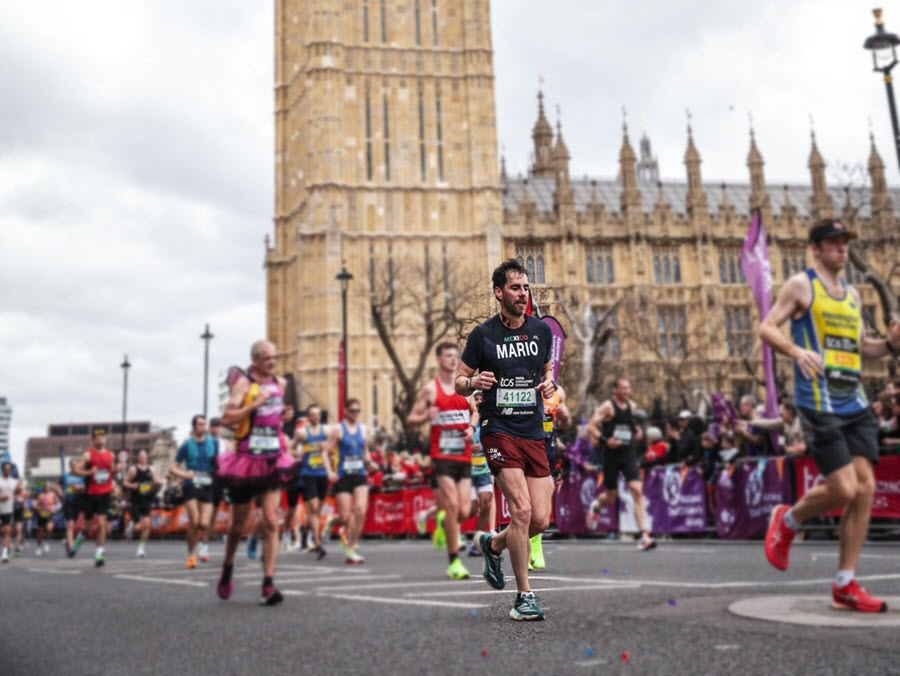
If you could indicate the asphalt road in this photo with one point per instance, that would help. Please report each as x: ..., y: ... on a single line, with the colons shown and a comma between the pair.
x: 398, y: 614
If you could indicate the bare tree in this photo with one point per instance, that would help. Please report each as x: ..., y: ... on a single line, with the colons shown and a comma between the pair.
x: 414, y: 307
x: 593, y: 333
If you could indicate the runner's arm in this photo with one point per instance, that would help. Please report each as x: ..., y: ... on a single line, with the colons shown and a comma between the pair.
x: 128, y: 480
x: 790, y: 301
x: 422, y: 410
x: 563, y: 417
x: 601, y: 415
x: 235, y: 411
x: 332, y: 438
x: 81, y: 466
x: 547, y: 386
x: 175, y: 467
x: 875, y: 348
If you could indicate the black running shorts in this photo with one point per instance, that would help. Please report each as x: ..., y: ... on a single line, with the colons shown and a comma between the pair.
x: 615, y: 460
x: 834, y: 439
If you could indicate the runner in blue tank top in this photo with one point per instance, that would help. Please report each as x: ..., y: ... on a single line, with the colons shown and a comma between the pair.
x: 828, y: 344
x: 198, y: 455
x: 309, y: 441
x: 351, y: 488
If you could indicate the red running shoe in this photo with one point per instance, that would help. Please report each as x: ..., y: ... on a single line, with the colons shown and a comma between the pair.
x: 855, y: 597
x: 779, y: 538
x: 224, y: 589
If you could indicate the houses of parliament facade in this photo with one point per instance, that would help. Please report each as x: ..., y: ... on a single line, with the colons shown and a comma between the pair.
x: 387, y: 166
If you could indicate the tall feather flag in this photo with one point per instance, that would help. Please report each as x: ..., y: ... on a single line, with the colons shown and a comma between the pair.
x: 758, y: 271
x: 559, y: 335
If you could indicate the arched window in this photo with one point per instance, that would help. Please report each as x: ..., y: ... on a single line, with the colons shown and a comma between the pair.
x: 657, y: 275
x: 540, y: 270
x: 589, y: 266
x: 529, y: 265
x: 732, y: 273
x: 786, y: 268
x: 677, y: 269
x: 667, y: 270
x: 723, y: 272
x: 610, y: 273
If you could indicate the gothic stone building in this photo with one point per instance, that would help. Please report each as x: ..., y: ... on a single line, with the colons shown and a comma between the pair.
x: 386, y: 159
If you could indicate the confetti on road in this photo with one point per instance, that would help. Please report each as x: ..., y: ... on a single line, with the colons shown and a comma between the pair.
x: 625, y: 656
x: 590, y: 652
x: 673, y: 602
x: 484, y: 653
x: 474, y: 613
x: 606, y: 571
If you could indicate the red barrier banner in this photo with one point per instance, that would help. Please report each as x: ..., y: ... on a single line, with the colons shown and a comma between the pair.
x: 886, y: 503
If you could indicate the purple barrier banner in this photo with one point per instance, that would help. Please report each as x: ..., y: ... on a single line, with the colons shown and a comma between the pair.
x: 747, y: 493
x: 573, y: 498
x: 676, y: 499
x: 559, y: 343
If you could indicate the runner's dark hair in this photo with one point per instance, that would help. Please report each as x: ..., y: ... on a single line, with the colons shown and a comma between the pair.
x: 501, y: 273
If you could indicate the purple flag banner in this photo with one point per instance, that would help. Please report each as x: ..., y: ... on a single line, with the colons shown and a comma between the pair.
x: 573, y: 499
x: 676, y: 499
x: 747, y: 493
x: 559, y: 343
x: 758, y: 271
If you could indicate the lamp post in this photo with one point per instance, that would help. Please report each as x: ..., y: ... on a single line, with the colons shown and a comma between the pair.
x: 206, y: 336
x: 344, y: 277
x: 125, y: 366
x: 883, y: 46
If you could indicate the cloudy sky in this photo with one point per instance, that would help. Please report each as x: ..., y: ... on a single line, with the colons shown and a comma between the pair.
x: 136, y: 159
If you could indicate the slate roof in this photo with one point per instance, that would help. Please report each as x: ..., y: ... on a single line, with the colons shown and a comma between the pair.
x: 608, y: 190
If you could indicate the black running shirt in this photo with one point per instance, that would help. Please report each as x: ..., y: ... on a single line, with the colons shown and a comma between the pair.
x: 517, y: 358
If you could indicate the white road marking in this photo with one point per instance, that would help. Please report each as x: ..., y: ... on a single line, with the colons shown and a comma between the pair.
x: 162, y: 580
x: 54, y: 571
x: 393, y: 585
x: 403, y: 602
x: 537, y: 590
x: 350, y: 583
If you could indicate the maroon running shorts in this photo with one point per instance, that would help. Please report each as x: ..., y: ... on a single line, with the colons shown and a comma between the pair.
x: 504, y: 451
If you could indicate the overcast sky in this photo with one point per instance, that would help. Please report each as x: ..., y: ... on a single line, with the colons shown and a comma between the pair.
x: 136, y: 159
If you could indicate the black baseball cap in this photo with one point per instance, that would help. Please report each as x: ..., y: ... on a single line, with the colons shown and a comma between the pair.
x: 215, y: 422
x: 829, y: 227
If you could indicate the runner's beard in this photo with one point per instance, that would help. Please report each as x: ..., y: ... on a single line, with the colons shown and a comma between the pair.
x: 513, y: 309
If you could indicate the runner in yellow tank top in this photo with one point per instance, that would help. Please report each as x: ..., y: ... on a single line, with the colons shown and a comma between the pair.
x: 828, y: 345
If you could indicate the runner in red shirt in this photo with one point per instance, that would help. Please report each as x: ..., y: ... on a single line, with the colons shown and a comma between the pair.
x: 452, y: 418
x: 96, y: 464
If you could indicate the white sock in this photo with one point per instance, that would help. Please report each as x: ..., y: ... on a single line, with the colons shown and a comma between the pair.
x: 790, y: 521
x: 99, y: 551
x: 5, y: 552
x: 844, y: 577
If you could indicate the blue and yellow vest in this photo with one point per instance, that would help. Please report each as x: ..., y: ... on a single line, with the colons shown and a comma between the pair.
x: 833, y: 328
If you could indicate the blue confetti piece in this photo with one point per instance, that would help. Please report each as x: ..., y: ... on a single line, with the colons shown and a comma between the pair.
x: 474, y: 613
x: 590, y: 652
x: 626, y: 573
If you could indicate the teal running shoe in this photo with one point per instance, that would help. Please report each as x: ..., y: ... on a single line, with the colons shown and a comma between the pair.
x: 493, y: 563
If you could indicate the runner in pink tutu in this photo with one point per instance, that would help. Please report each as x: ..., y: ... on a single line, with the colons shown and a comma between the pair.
x: 260, y: 465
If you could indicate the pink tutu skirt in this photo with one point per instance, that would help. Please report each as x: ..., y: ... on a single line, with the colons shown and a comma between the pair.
x: 243, y: 468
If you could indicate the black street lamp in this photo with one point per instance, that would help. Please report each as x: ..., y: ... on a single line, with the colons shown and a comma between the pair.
x: 125, y: 366
x: 206, y: 336
x: 344, y: 277
x: 883, y: 46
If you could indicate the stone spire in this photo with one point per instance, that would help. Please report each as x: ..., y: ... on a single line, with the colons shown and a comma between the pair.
x: 821, y: 204
x: 563, y: 196
x: 697, y: 202
x: 788, y: 211
x: 758, y: 195
x: 630, y: 198
x: 880, y: 199
x: 542, y: 134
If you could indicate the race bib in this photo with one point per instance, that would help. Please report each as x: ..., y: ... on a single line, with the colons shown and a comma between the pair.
x: 264, y: 441
x: 842, y: 364
x: 28, y: 514
x: 101, y: 477
x: 516, y: 397
x: 202, y: 479
x: 72, y: 489
x: 353, y: 466
x: 452, y: 442
x: 479, y: 460
x: 45, y: 513
x: 623, y: 433
x: 145, y: 487
x: 313, y: 454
